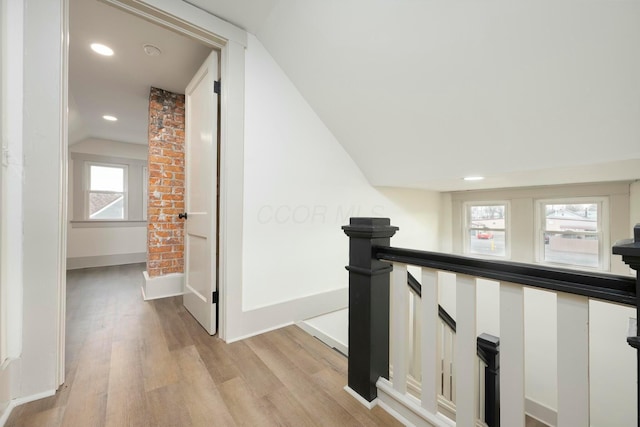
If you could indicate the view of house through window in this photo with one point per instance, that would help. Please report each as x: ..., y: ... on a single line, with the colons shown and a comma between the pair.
x: 107, y: 192
x: 571, y: 233
x: 486, y: 229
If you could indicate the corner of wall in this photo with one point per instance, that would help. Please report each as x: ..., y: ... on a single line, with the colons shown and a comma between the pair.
x: 169, y: 285
x: 634, y: 203
x: 445, y: 224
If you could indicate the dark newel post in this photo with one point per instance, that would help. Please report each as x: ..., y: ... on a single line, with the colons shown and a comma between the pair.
x: 368, y: 304
x: 630, y: 251
x: 490, y: 346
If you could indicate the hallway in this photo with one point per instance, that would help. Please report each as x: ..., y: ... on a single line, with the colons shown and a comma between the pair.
x: 136, y: 363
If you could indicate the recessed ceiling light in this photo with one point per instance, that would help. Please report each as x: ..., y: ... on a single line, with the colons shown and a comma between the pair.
x: 110, y: 118
x: 473, y: 178
x: 101, y: 49
x: 151, y: 50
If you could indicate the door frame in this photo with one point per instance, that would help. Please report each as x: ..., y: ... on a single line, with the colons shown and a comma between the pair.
x: 231, y: 41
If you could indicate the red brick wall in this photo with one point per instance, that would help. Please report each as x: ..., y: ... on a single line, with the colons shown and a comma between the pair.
x: 165, y: 244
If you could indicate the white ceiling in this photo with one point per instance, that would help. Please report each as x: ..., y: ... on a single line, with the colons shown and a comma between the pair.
x: 422, y: 93
x: 119, y: 85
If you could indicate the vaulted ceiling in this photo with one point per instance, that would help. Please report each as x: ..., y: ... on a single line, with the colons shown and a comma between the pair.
x: 423, y: 93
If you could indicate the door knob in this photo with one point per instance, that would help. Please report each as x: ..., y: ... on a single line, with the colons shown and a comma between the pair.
x: 182, y: 215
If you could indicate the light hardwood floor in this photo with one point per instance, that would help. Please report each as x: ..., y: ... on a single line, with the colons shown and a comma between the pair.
x: 136, y: 363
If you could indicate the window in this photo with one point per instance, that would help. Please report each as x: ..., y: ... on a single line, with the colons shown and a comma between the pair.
x: 486, y: 229
x: 106, y: 192
x: 571, y: 232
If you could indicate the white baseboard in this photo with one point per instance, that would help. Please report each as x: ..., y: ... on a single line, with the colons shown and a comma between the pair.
x: 362, y: 400
x: 407, y: 409
x: 324, y: 337
x: 259, y: 332
x: 21, y: 401
x: 162, y: 286
x: 264, y: 319
x: 540, y: 412
x: 105, y: 260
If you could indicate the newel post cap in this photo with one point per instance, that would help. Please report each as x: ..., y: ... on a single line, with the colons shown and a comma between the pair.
x: 370, y: 228
x: 630, y: 249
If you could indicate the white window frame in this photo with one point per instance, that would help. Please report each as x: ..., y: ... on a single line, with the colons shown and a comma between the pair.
x: 87, y: 188
x: 466, y: 228
x: 603, y: 227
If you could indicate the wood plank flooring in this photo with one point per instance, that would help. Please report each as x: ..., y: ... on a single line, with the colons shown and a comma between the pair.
x: 136, y: 363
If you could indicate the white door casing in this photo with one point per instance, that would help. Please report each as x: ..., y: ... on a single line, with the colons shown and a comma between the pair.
x: 201, y: 151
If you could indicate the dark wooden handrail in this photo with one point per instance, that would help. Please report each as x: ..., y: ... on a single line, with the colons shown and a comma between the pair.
x: 606, y: 287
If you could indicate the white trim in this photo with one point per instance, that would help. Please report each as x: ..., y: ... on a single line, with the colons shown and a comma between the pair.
x: 11, y: 252
x: 108, y: 223
x: 362, y: 400
x: 185, y: 18
x: 325, y: 338
x: 263, y: 319
x: 63, y: 191
x: 259, y: 332
x: 541, y: 412
x: 170, y: 285
x: 231, y: 41
x: 395, y: 414
x: 21, y: 401
x: 232, y: 69
x: 603, y: 231
x: 407, y: 407
x: 466, y: 227
x: 87, y: 189
x: 75, y: 263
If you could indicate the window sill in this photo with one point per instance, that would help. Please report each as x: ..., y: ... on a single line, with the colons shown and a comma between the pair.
x: 108, y: 223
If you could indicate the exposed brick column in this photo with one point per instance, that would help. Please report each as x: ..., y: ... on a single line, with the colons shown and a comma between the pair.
x: 165, y: 232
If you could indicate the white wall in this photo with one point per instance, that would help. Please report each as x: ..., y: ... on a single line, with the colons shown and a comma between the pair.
x: 300, y: 188
x: 105, y: 147
x: 100, y: 242
x: 32, y: 173
x: 10, y: 261
x: 634, y: 203
x: 612, y: 361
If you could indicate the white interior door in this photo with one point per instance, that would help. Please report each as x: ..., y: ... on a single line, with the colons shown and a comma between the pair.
x: 201, y: 151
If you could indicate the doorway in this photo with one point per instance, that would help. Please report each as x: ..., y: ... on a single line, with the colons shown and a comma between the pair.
x: 232, y: 109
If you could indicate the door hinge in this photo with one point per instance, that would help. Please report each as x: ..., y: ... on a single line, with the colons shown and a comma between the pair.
x: 216, y: 87
x: 214, y: 297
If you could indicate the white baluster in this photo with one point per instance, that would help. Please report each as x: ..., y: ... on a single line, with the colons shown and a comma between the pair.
x: 511, y: 355
x: 430, y: 343
x: 466, y: 384
x: 573, y: 360
x: 447, y: 362
x: 415, y: 333
x: 399, y: 326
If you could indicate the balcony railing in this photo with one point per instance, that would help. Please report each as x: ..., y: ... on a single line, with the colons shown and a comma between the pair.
x: 381, y: 328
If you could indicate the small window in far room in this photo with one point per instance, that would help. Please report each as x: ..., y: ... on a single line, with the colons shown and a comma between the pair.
x: 106, y: 192
x: 571, y: 233
x: 486, y: 227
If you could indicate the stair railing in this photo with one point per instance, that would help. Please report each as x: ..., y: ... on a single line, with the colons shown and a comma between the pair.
x: 379, y: 309
x: 488, y: 350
